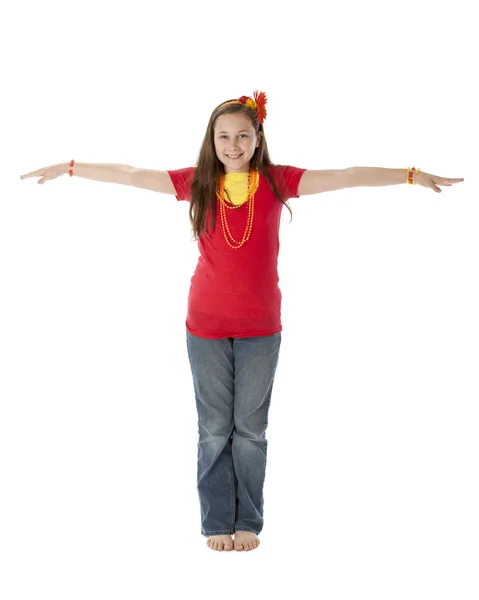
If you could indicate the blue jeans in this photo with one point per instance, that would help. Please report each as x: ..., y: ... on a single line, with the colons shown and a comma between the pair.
x: 233, y: 381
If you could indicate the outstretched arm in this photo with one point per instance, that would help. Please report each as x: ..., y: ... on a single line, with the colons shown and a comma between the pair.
x: 315, y: 182
x: 377, y: 176
x: 148, y: 179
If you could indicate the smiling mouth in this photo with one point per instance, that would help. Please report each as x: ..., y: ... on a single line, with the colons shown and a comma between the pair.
x: 234, y: 157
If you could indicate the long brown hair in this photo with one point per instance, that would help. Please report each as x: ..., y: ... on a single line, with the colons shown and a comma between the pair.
x: 209, y: 168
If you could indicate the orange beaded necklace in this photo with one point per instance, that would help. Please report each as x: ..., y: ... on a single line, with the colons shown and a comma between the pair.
x: 253, y: 180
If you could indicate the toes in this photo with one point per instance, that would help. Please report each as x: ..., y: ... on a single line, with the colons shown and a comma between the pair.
x: 213, y: 544
x: 248, y: 544
x: 245, y: 542
x: 219, y: 544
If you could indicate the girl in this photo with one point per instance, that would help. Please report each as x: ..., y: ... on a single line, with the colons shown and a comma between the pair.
x: 233, y: 325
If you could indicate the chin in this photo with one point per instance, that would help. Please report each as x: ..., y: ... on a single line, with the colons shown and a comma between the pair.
x: 238, y: 163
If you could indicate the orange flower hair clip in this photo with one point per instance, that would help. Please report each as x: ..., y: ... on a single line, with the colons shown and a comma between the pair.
x: 257, y: 103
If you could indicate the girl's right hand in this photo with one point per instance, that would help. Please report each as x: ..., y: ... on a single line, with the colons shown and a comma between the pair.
x: 47, y: 173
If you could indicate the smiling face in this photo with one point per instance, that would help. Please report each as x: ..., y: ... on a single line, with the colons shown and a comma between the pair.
x: 234, y: 135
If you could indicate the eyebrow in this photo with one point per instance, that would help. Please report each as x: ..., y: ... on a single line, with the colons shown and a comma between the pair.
x: 243, y: 130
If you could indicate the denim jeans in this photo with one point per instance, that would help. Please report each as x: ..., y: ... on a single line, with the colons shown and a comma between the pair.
x: 233, y: 382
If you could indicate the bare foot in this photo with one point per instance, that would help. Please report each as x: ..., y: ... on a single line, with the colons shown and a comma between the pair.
x: 220, y: 542
x: 246, y: 540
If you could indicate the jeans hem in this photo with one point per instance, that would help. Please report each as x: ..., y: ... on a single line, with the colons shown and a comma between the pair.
x: 218, y: 532
x: 247, y: 529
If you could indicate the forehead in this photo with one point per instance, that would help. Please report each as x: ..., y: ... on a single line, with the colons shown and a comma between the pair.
x: 233, y: 122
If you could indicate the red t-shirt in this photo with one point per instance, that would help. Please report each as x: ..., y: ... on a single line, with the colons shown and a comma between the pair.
x: 235, y: 293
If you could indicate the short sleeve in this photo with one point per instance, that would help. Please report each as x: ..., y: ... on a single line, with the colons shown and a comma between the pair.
x: 287, y: 178
x: 182, y: 180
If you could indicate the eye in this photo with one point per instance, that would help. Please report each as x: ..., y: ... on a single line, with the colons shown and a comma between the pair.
x: 243, y: 134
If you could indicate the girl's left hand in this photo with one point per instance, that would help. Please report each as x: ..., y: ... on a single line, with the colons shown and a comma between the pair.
x: 432, y: 181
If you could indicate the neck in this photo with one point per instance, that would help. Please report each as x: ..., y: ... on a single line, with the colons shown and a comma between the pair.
x: 242, y: 170
x: 245, y: 168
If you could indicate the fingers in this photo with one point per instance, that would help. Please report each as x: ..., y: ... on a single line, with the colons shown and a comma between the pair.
x: 447, y: 181
x: 32, y: 174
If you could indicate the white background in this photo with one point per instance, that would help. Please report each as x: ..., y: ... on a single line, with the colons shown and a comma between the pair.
x: 372, y: 480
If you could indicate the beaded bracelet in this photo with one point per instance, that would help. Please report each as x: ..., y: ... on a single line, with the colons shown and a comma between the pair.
x: 72, y: 162
x: 411, y: 175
